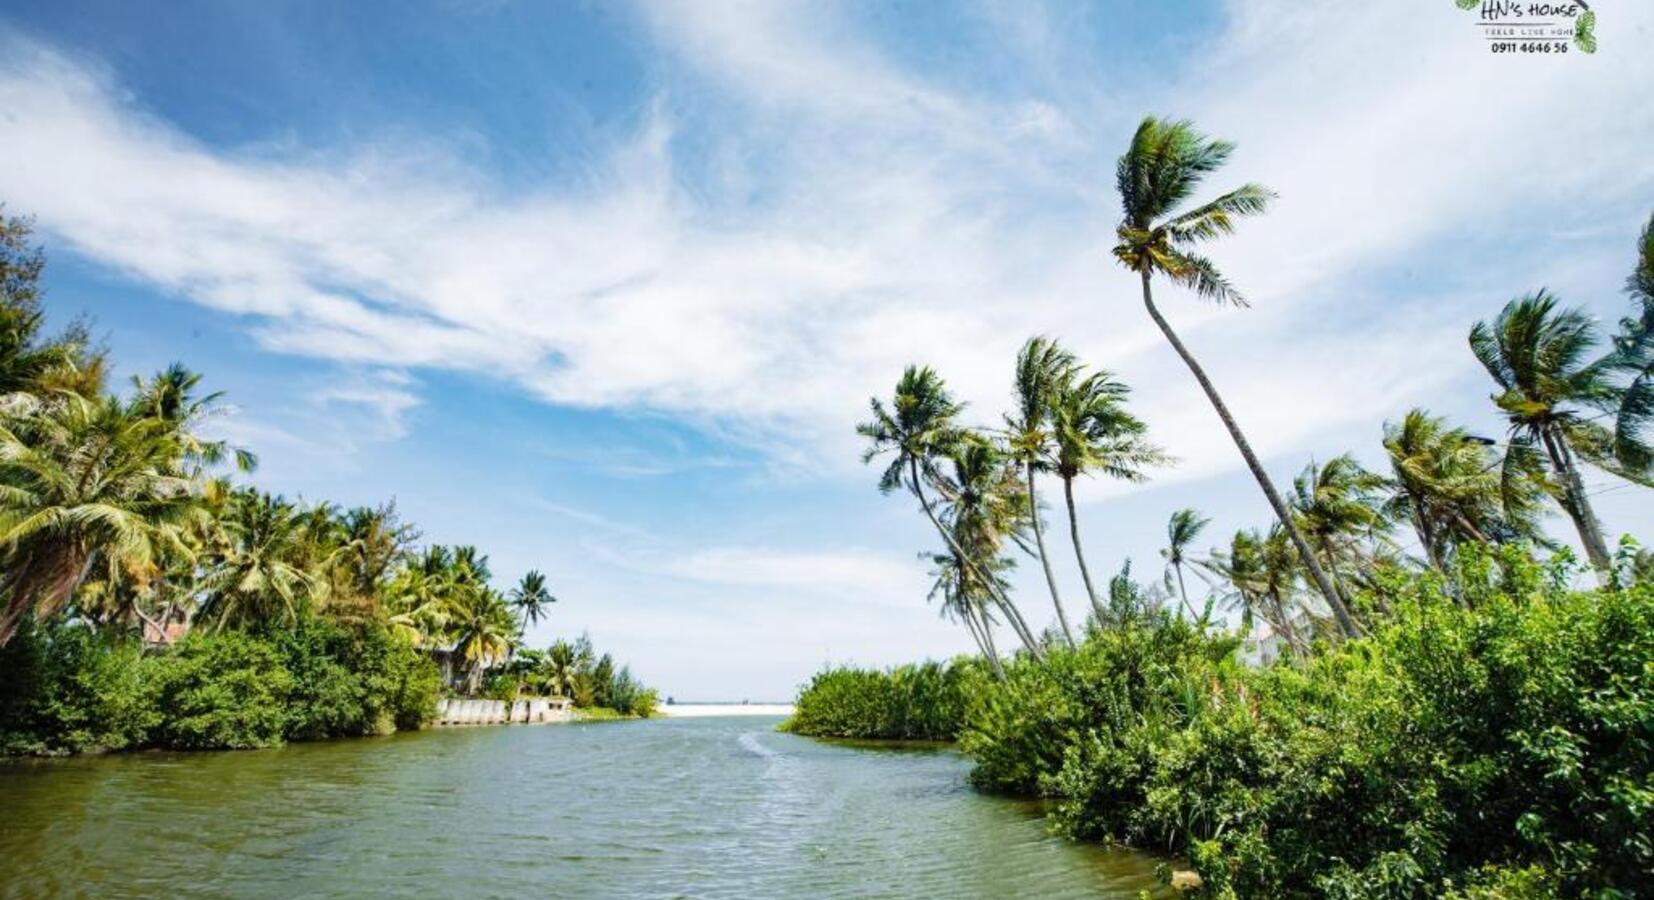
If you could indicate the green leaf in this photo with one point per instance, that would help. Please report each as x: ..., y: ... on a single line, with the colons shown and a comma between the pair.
x: 1584, y: 32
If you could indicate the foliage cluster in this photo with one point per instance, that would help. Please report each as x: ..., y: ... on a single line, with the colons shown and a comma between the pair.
x: 1501, y: 746
x: 66, y: 688
x: 925, y: 701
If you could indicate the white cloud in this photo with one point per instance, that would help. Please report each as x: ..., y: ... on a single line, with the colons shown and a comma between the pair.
x: 899, y: 219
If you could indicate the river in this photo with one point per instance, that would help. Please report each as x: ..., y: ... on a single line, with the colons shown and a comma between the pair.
x: 718, y: 807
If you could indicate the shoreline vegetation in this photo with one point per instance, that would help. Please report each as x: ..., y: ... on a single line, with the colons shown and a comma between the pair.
x: 1404, y: 697
x: 149, y: 600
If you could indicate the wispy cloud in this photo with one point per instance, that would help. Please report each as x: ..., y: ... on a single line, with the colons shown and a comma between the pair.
x: 856, y: 215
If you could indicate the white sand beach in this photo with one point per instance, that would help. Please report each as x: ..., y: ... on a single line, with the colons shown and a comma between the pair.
x: 704, y: 710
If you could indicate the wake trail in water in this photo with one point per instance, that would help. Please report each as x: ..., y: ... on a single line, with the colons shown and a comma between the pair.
x: 750, y: 743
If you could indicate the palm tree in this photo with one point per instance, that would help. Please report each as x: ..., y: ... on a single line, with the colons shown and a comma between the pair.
x: 1158, y: 173
x: 1634, y: 356
x: 257, y: 575
x: 1338, y: 505
x: 170, y: 397
x: 531, y: 597
x: 1093, y: 433
x: 82, y: 479
x: 964, y: 600
x: 1043, y: 368
x: 919, y: 426
x: 983, y: 506
x: 485, y: 632
x: 1453, y: 488
x: 372, y: 539
x: 1262, y: 572
x: 1539, y: 356
x: 1182, y: 530
x: 562, y: 669
x: 419, y: 598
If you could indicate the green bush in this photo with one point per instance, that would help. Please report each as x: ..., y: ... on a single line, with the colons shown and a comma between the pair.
x: 354, y: 681
x: 914, y: 702
x: 222, y: 692
x: 1502, y: 748
x: 64, y: 689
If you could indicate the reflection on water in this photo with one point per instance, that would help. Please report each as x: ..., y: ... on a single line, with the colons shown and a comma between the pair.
x: 685, y: 808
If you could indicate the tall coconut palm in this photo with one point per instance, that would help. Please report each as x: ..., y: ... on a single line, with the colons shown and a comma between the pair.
x: 1159, y: 172
x: 1043, y: 368
x: 1540, y: 356
x: 1093, y: 433
x: 1339, y: 505
x: 257, y: 576
x: 1182, y: 530
x: 80, y: 479
x: 919, y: 426
x: 531, y: 597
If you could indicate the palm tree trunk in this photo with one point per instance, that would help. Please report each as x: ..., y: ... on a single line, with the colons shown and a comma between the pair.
x: 1009, y: 608
x: 1079, y: 554
x: 1346, y: 623
x: 983, y: 632
x: 1578, y: 505
x: 1183, y: 591
x: 1045, y: 561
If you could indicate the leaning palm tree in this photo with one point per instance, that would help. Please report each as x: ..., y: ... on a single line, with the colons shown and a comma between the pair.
x: 919, y: 426
x: 1453, y: 488
x: 1540, y: 357
x: 966, y: 601
x: 983, y: 508
x: 1158, y: 173
x: 82, y: 479
x: 1182, y: 530
x: 1092, y: 433
x: 1043, y: 369
x: 1339, y: 506
x: 531, y: 598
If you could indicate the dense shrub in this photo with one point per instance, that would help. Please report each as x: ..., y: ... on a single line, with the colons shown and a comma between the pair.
x: 1019, y: 731
x: 66, y: 689
x: 1503, y: 750
x: 221, y: 692
x: 354, y: 681
x: 914, y: 702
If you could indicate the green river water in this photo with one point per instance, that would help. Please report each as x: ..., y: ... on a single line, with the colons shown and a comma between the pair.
x: 719, y: 807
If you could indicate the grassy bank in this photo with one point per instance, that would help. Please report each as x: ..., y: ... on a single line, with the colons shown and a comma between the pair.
x: 1502, y: 746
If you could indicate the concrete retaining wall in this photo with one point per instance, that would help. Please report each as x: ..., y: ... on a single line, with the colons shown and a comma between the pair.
x: 529, y: 710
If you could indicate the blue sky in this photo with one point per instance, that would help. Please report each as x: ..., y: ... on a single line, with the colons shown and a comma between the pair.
x: 604, y: 288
